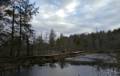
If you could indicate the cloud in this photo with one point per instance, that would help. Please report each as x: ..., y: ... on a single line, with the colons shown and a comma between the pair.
x: 76, y: 16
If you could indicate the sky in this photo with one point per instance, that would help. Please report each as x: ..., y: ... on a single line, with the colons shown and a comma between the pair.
x: 76, y: 16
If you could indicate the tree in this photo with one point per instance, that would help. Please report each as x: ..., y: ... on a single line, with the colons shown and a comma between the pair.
x: 9, y: 13
x: 39, y: 45
x: 26, y: 11
x: 52, y: 38
x: 17, y: 18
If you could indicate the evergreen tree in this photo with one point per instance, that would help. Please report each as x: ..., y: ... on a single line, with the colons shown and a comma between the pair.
x: 52, y: 38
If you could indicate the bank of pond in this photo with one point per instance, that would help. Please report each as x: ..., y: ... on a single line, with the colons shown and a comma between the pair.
x: 93, y: 64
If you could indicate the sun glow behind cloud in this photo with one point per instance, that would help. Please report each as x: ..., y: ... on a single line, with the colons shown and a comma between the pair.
x: 68, y: 9
x: 71, y: 7
x: 61, y: 13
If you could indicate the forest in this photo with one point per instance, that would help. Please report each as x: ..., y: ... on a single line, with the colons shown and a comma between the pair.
x: 17, y: 36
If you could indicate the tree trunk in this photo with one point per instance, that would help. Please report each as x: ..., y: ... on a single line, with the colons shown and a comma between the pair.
x: 20, y: 33
x: 12, y: 34
x: 28, y: 46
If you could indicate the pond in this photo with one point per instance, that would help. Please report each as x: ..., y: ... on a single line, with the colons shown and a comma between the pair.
x: 69, y: 68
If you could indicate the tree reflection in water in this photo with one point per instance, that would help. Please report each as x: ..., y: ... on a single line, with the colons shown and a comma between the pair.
x: 101, y: 68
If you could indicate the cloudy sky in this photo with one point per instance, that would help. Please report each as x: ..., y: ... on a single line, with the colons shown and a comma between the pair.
x: 76, y: 16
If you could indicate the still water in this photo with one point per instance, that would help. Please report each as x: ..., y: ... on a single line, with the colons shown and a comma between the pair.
x: 67, y: 68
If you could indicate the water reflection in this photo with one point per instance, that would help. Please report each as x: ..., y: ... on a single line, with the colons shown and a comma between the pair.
x: 64, y: 68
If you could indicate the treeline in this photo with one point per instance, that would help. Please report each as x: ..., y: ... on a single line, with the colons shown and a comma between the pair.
x: 91, y: 42
x: 99, y: 41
